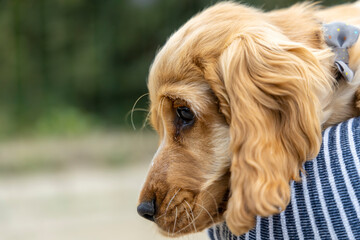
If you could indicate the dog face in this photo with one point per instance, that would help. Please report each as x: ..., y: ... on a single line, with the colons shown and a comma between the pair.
x: 187, y: 183
x: 235, y: 104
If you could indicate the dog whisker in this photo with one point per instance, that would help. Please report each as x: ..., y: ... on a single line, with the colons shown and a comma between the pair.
x: 187, y: 214
x: 146, y: 120
x: 139, y: 110
x: 176, y: 213
x: 133, y: 108
x: 216, y: 205
x: 189, y: 218
x: 162, y: 215
x: 192, y: 213
x: 191, y: 222
x: 172, y: 198
x: 212, y: 219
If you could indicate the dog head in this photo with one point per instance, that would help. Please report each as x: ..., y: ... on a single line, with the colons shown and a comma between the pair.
x: 235, y: 104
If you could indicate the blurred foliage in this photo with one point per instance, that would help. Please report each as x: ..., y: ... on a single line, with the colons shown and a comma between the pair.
x: 68, y: 65
x: 65, y: 121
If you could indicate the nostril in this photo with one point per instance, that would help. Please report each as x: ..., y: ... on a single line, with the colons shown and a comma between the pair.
x: 147, y: 210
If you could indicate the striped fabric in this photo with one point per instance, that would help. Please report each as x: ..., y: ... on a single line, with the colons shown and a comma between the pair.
x: 325, y: 204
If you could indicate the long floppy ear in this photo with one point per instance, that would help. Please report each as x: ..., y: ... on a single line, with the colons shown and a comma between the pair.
x: 274, y: 122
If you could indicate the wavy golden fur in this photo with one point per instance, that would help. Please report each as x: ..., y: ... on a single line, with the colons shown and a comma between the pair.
x: 261, y: 87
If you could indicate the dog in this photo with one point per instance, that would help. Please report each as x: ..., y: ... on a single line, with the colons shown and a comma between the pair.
x: 239, y: 98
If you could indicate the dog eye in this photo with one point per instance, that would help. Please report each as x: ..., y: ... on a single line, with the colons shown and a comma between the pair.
x: 185, y: 114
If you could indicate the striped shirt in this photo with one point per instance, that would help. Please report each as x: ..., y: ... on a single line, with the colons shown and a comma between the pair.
x: 325, y: 204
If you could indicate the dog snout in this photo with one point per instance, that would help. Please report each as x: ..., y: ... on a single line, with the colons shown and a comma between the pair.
x: 147, y: 209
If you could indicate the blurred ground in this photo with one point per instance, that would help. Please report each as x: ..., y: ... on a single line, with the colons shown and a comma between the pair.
x: 81, y: 188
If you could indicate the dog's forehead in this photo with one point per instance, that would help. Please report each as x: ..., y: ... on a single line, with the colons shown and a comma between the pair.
x: 186, y: 67
x: 198, y: 44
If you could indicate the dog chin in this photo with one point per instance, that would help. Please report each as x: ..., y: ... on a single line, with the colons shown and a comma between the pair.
x: 189, y: 228
x: 180, y: 220
x: 176, y: 234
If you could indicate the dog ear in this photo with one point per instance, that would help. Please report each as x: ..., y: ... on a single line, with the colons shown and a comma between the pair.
x: 274, y: 123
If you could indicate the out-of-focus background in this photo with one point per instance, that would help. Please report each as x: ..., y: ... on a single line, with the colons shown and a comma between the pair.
x: 71, y: 161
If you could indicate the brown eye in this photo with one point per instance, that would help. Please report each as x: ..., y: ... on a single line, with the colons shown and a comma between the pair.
x: 185, y: 114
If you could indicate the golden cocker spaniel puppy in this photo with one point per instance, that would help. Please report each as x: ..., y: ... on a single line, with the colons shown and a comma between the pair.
x: 239, y: 98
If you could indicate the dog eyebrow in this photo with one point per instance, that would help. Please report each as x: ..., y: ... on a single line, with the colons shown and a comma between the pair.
x: 179, y: 103
x: 195, y: 94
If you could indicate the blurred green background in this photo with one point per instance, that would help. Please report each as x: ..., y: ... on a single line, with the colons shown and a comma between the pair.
x: 71, y: 165
x: 67, y: 66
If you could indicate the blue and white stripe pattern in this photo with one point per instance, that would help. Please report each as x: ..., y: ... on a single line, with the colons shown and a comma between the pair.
x: 325, y: 204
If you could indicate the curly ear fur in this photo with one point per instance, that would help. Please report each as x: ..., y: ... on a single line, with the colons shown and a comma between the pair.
x: 274, y: 123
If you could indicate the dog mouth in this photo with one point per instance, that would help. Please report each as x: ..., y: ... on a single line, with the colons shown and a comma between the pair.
x: 180, y: 220
x: 179, y: 215
x: 187, y: 212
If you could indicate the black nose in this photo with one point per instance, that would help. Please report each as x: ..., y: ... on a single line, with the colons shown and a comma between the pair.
x: 147, y: 210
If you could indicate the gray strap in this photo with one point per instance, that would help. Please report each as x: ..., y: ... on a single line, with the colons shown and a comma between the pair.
x: 340, y: 36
